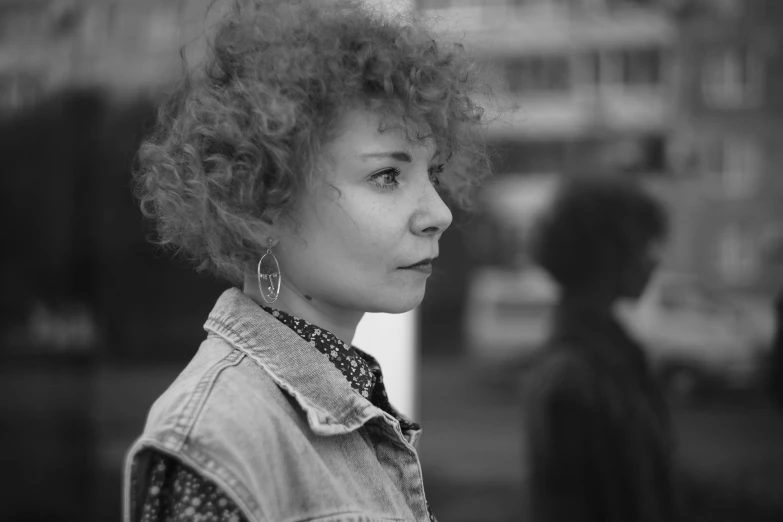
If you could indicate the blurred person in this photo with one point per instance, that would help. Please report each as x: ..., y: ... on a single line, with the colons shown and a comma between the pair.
x: 307, y: 166
x: 596, y: 423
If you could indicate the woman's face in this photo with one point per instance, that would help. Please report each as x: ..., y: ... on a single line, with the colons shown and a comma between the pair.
x: 378, y: 216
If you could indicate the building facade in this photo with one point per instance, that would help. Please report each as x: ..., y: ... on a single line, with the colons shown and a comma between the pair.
x: 125, y: 46
x: 731, y: 117
x: 681, y: 92
x: 581, y: 86
x: 583, y: 82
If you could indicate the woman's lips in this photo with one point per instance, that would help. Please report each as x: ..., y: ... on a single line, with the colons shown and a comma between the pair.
x: 424, y: 266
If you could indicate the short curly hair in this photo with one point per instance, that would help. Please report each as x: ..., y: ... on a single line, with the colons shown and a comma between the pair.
x: 596, y: 226
x: 236, y: 146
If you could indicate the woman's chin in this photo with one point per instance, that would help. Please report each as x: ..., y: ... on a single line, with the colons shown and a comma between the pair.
x: 398, y: 303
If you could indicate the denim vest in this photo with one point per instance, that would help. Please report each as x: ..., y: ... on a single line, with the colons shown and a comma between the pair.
x: 270, y: 420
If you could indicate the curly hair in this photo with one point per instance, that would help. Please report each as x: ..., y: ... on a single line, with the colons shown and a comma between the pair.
x: 236, y: 146
x: 596, y: 227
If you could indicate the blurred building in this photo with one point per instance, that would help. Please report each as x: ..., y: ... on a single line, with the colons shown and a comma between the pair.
x: 586, y: 81
x: 730, y: 122
x: 580, y: 86
x: 125, y: 45
x: 681, y: 92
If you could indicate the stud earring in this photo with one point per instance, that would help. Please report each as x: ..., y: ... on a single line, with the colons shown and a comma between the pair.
x: 269, y: 277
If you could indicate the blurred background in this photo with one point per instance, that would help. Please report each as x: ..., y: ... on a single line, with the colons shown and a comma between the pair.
x: 686, y: 95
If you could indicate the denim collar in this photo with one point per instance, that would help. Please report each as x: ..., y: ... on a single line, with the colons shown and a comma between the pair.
x: 330, y: 403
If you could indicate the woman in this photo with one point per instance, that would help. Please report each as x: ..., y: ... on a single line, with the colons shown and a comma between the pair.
x: 306, y: 166
x: 596, y: 424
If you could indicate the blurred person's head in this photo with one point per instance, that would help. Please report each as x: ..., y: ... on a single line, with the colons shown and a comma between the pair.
x: 601, y: 238
x: 327, y: 131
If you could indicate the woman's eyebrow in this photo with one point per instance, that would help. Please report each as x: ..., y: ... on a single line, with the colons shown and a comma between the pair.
x: 397, y: 155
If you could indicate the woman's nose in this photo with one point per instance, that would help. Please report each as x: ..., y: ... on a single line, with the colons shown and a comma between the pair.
x: 433, y: 216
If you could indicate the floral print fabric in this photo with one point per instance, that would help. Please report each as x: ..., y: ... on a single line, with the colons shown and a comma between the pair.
x: 344, y: 357
x: 178, y: 494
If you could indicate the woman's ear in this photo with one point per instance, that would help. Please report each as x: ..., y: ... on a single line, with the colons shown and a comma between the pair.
x: 272, y: 227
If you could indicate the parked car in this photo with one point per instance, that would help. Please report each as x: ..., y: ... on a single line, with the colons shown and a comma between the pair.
x: 699, y: 337
x: 696, y: 336
x: 507, y: 314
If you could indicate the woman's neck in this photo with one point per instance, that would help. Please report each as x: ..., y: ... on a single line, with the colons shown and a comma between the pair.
x: 341, y: 323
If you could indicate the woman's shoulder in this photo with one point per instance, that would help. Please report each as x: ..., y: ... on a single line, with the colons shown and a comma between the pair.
x: 220, y: 389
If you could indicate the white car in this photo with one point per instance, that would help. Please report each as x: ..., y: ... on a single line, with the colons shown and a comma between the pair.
x: 696, y: 335
x: 507, y: 314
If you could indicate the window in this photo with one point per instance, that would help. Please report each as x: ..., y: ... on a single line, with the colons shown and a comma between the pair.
x: 643, y: 67
x: 539, y: 74
x: 732, y: 78
x: 683, y: 153
x: 637, y: 155
x: 771, y: 241
x: 593, y: 68
x: 738, y: 255
x: 18, y: 90
x: 632, y: 3
x: 736, y: 164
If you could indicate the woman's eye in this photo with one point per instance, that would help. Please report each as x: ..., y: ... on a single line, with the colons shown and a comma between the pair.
x: 434, y: 173
x: 387, y: 178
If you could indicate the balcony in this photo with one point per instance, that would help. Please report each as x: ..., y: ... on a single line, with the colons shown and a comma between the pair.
x: 499, y: 28
x: 581, y: 113
x: 575, y: 93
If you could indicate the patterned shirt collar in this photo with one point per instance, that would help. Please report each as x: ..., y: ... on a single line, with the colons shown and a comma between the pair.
x: 360, y: 369
x: 345, y: 358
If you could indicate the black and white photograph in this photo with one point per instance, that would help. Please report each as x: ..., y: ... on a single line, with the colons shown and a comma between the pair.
x: 391, y: 260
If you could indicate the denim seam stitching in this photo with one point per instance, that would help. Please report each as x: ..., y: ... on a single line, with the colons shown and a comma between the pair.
x: 219, y: 326
x: 373, y: 516
x: 225, y: 478
x: 190, y: 411
x: 197, y: 460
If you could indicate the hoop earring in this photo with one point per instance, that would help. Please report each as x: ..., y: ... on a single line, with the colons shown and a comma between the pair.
x: 269, y: 277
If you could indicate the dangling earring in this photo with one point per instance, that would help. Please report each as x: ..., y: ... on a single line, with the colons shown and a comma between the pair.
x: 269, y: 276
